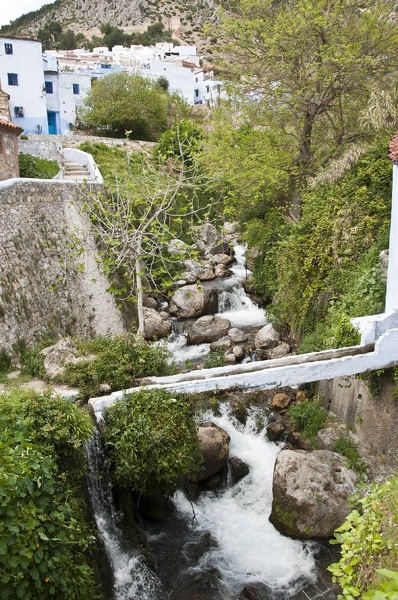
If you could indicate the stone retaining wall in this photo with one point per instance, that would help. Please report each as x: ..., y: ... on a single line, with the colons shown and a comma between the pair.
x: 46, y: 290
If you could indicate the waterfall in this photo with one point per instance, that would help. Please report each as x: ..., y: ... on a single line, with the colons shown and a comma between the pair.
x: 249, y: 550
x: 233, y: 304
x: 133, y: 580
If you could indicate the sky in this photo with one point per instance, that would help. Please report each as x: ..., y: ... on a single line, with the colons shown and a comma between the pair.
x: 12, y: 10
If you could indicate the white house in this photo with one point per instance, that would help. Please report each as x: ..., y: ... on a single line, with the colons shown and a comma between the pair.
x: 22, y: 77
x: 64, y: 92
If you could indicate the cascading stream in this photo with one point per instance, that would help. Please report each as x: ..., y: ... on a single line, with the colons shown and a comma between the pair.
x: 233, y: 304
x: 133, y: 580
x: 249, y: 549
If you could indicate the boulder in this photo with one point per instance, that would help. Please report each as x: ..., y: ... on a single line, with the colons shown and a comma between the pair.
x: 210, y: 241
x: 275, y: 431
x: 150, y: 303
x: 239, y: 352
x: 266, y: 337
x: 237, y: 336
x: 155, y: 327
x: 222, y: 271
x: 193, y: 301
x: 214, y: 448
x: 279, y: 351
x: 230, y: 359
x: 222, y: 259
x: 208, y: 329
x: 280, y: 401
x: 237, y: 468
x: 206, y: 273
x: 222, y: 344
x: 59, y: 355
x: 310, y: 493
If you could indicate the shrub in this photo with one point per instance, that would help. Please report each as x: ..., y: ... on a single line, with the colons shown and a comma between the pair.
x: 151, y: 440
x: 309, y: 416
x: 119, y: 362
x: 215, y: 359
x: 44, y: 538
x: 369, y: 542
x: 37, y: 168
x: 347, y: 448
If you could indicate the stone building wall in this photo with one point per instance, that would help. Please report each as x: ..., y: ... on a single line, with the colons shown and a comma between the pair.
x: 46, y: 290
x: 9, y: 166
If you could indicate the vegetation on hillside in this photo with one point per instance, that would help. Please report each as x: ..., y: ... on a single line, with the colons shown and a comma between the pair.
x: 37, y: 168
x: 45, y: 541
x: 369, y: 545
x: 151, y: 440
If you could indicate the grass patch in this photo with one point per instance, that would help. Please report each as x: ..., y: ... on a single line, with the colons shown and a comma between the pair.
x: 309, y: 417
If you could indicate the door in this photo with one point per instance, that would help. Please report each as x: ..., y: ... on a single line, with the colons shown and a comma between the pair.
x: 52, y: 122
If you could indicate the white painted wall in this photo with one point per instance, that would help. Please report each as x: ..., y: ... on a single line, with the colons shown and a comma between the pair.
x: 392, y: 274
x: 27, y: 62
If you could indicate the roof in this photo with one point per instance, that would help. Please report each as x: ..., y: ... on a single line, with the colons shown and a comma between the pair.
x: 10, y: 126
x: 393, y: 149
x: 22, y: 38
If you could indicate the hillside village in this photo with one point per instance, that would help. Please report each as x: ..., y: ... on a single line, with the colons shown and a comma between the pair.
x: 46, y: 89
x: 157, y: 443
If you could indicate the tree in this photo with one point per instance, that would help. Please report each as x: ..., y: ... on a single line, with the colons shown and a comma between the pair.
x: 123, y: 102
x: 141, y: 223
x: 310, y: 67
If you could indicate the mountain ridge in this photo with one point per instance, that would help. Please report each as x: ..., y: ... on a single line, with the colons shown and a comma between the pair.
x: 184, y: 18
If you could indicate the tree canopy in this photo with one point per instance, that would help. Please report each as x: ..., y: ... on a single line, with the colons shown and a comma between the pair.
x: 308, y: 68
x: 124, y: 102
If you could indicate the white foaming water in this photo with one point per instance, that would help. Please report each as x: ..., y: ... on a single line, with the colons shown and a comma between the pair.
x: 132, y: 578
x: 249, y: 549
x: 236, y: 306
x: 182, y: 353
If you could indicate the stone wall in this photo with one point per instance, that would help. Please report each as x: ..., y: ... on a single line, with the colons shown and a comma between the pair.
x: 47, y: 290
x: 9, y: 165
x: 372, y: 415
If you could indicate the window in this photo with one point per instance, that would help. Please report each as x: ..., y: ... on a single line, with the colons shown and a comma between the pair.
x: 2, y: 151
x: 76, y: 88
x: 196, y: 93
x: 12, y: 78
x: 8, y: 48
x: 19, y: 111
x: 49, y: 87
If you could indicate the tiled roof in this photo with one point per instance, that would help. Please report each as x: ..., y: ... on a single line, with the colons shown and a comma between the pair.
x: 10, y: 126
x: 393, y: 149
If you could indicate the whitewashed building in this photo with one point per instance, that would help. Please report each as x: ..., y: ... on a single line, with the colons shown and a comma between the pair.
x: 22, y: 77
x: 65, y: 90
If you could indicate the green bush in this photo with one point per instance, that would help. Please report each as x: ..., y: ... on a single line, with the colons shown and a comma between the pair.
x: 118, y: 361
x: 347, y: 448
x: 309, y: 417
x: 151, y: 441
x: 37, y: 168
x: 54, y: 423
x: 369, y: 542
x: 44, y: 537
x: 216, y: 358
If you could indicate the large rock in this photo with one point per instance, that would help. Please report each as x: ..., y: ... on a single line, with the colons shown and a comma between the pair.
x: 237, y: 336
x: 279, y: 351
x: 59, y: 355
x: 214, y: 447
x: 210, y: 241
x: 155, y: 327
x: 310, y: 493
x: 208, y: 329
x: 193, y: 301
x: 266, y: 337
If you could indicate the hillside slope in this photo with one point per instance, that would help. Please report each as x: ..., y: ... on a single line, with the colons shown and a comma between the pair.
x: 184, y: 17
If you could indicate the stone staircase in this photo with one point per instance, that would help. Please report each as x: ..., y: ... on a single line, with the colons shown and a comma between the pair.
x: 75, y: 172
